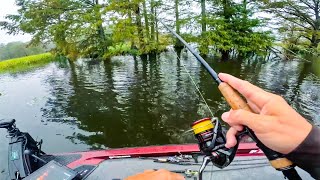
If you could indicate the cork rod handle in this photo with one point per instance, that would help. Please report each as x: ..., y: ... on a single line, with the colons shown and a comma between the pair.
x: 237, y: 102
x: 233, y: 97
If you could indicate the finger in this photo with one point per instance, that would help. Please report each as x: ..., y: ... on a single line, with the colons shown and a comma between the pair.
x: 175, y: 176
x: 256, y: 122
x: 144, y: 173
x: 149, y: 171
x: 231, y: 137
x: 238, y: 127
x: 254, y: 107
x: 165, y: 174
x: 248, y: 90
x: 225, y: 116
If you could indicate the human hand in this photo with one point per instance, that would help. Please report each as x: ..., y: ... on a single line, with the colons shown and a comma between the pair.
x: 274, y: 122
x: 156, y: 175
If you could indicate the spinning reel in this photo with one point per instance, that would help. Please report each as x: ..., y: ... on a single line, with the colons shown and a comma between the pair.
x: 211, y: 138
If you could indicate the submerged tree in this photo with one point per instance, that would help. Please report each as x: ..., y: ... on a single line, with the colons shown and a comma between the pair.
x: 93, y: 28
x: 74, y: 26
x: 134, y: 24
x: 204, y: 46
x: 304, y: 15
x: 232, y: 28
x: 293, y: 40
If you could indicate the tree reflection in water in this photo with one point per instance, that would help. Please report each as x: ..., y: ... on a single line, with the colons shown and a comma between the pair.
x: 151, y: 100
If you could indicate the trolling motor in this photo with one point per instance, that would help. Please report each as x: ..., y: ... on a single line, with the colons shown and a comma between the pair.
x: 211, y: 138
x: 23, y: 151
x: 26, y: 158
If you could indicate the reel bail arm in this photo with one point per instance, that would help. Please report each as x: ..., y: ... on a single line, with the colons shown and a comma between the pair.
x: 211, y: 138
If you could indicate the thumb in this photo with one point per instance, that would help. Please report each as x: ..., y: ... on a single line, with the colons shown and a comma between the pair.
x: 257, y: 122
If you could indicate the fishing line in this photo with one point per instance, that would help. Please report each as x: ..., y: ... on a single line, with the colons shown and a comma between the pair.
x: 194, y: 83
x: 211, y: 172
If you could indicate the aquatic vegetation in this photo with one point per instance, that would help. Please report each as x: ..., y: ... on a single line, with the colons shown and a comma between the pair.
x: 119, y: 49
x: 26, y: 62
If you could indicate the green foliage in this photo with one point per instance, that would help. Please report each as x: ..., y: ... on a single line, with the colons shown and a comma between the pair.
x: 120, y: 49
x: 233, y: 28
x: 291, y: 45
x: 298, y: 22
x: 18, y: 49
x: 25, y: 62
x: 156, y: 46
x: 294, y: 41
x: 74, y: 26
x: 81, y: 28
x: 78, y: 27
x: 130, y: 30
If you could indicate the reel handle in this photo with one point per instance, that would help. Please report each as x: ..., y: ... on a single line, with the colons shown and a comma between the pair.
x: 234, y: 99
x: 6, y: 124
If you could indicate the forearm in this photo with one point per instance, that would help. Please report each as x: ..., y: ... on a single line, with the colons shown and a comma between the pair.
x: 307, y: 154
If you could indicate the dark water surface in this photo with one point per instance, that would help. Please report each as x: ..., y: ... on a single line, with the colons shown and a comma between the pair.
x: 133, y: 102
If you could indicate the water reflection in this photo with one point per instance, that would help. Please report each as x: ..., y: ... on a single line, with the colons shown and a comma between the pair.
x: 137, y: 101
x: 151, y: 100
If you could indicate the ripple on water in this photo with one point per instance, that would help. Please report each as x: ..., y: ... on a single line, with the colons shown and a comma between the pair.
x: 125, y: 101
x: 308, y: 100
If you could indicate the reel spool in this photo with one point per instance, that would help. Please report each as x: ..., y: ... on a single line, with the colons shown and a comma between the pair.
x: 211, y: 137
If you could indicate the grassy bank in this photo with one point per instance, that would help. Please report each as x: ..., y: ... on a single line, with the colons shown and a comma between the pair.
x: 26, y: 62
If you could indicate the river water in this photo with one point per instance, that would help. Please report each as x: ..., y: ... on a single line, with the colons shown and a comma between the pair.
x: 137, y: 102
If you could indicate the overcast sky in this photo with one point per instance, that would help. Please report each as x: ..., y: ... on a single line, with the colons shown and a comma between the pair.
x: 9, y: 7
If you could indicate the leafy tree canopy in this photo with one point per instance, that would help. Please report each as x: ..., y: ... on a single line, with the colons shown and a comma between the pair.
x: 93, y: 28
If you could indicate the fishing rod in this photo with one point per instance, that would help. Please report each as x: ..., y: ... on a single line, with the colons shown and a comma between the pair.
x: 203, y: 126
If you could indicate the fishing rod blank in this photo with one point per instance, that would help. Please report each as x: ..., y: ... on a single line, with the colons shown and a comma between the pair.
x: 276, y: 159
x: 199, y: 58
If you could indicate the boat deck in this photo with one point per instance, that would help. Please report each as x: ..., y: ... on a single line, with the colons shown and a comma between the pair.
x: 255, y: 168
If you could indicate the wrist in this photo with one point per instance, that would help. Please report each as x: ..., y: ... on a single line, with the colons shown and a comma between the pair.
x: 300, y: 136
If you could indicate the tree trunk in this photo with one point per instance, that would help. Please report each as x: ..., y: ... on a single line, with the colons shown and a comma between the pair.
x: 226, y: 14
x: 314, y: 43
x: 101, y: 33
x: 224, y: 55
x: 133, y: 46
x: 139, y: 27
x: 203, y: 16
x: 146, y: 20
x: 178, y: 44
x: 157, y: 26
x: 314, y: 39
x: 152, y: 20
x: 226, y: 11
x: 203, y: 47
x: 102, y: 37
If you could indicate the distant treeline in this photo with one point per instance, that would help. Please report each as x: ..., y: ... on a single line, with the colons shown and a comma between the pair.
x: 20, y: 49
